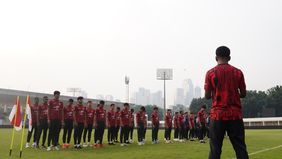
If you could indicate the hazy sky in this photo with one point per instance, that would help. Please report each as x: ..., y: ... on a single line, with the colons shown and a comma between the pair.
x: 48, y: 45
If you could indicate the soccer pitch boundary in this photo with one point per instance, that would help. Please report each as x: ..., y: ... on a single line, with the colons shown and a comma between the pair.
x: 264, y: 150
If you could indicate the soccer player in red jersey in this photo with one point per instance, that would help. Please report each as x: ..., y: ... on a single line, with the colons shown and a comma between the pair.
x: 181, y: 126
x: 55, y: 120
x: 79, y: 118
x: 100, y: 123
x: 90, y: 112
x: 155, y: 125
x: 192, y: 126
x: 140, y: 121
x: 111, y: 124
x: 202, y: 123
x: 176, y: 126
x: 225, y: 84
x: 43, y: 124
x: 168, y: 126
x: 131, y: 126
x: 118, y: 118
x: 125, y: 122
x: 35, y: 123
x: 68, y: 119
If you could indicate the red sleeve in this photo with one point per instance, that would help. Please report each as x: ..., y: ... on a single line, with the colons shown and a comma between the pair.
x: 207, y: 82
x: 242, y: 84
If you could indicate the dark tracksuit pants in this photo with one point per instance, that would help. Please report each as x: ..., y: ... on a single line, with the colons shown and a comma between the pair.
x: 43, y: 126
x: 111, y: 133
x: 181, y: 132
x: 155, y: 131
x: 78, y: 133
x: 192, y: 133
x: 116, y: 133
x: 35, y: 130
x: 131, y: 129
x: 168, y: 133
x: 202, y: 130
x: 88, y: 130
x: 54, y: 130
x: 124, y: 134
x: 176, y: 133
x: 144, y: 134
x: 236, y: 133
x: 100, y: 131
x: 140, y: 132
x: 67, y: 131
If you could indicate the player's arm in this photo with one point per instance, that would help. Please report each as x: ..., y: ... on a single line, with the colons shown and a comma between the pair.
x: 85, y: 118
x: 74, y: 116
x: 242, y: 87
x: 37, y: 116
x: 62, y: 113
x: 207, y: 87
x: 48, y: 114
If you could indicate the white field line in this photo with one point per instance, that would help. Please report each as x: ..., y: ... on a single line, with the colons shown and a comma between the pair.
x: 264, y: 150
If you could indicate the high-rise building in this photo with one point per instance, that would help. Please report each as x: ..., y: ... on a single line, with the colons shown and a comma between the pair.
x: 188, y: 91
x: 179, y: 96
x: 157, y: 98
x: 197, y: 92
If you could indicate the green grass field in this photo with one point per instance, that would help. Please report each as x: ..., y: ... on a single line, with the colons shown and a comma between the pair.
x: 257, y: 140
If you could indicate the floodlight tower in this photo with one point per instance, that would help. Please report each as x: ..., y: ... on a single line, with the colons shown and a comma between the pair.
x: 164, y: 74
x: 126, y: 89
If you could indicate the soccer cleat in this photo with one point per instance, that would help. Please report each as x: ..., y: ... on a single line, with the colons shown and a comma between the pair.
x: 122, y: 145
x: 140, y: 144
x: 57, y: 148
x: 27, y: 145
x: 49, y: 148
x: 85, y: 145
x: 202, y: 141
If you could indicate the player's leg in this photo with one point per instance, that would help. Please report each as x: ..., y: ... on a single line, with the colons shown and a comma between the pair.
x: 217, y: 131
x: 236, y: 133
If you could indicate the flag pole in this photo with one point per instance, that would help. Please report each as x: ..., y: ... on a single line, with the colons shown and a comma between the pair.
x: 13, y: 133
x: 21, y: 149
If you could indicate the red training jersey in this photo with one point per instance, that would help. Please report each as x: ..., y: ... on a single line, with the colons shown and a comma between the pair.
x: 55, y: 109
x: 224, y: 81
x: 155, y: 118
x: 175, y: 121
x: 201, y: 116
x: 168, y: 120
x: 140, y: 118
x: 125, y: 117
x: 34, y: 110
x: 118, y: 118
x: 191, y: 120
x: 80, y: 113
x: 181, y: 119
x: 111, y: 116
x: 68, y: 112
x: 43, y: 111
x: 90, y: 112
x: 100, y: 114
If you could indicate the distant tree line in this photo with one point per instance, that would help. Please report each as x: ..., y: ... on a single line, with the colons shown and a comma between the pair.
x: 253, y: 104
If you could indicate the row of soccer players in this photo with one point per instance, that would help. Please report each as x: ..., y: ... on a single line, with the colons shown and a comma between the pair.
x: 191, y: 126
x: 51, y: 116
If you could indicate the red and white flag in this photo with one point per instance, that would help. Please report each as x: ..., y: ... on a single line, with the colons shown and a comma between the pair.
x: 28, y: 113
x: 15, y: 116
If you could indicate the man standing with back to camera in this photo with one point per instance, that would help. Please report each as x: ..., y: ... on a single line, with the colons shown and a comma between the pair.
x: 225, y: 84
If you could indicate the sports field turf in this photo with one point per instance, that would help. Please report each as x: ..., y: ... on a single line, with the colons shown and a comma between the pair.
x: 257, y: 140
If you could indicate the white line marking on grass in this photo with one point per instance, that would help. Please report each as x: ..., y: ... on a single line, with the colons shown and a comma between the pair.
x: 264, y: 150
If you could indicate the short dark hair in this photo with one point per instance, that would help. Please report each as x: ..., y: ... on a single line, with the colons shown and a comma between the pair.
x: 70, y: 100
x: 118, y: 108
x: 143, y: 108
x: 89, y: 101
x: 112, y: 105
x: 80, y: 97
x: 222, y: 51
x: 125, y: 104
x: 102, y: 102
x: 132, y: 110
x: 204, y: 106
x: 57, y: 92
x: 169, y: 110
x: 155, y: 108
